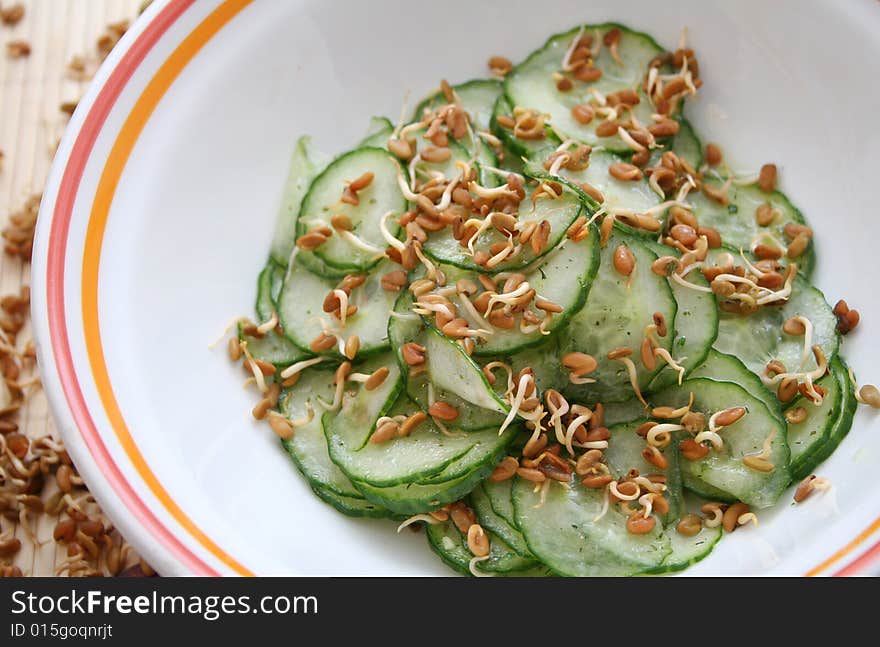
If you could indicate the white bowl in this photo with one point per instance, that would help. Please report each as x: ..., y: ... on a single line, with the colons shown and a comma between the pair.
x: 160, y: 207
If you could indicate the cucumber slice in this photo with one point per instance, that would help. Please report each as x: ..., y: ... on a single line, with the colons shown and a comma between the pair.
x: 804, y: 438
x: 424, y: 453
x: 413, y: 498
x: 620, y: 412
x: 403, y: 328
x: 324, y: 201
x: 533, y: 149
x: 451, y: 546
x: 308, y: 446
x: 758, y: 338
x: 305, y: 165
x: 560, y: 213
x: 452, y: 370
x: 500, y: 497
x: 300, y: 309
x: 477, y: 98
x: 736, y: 221
x: 378, y: 133
x: 563, y: 276
x: 625, y: 453
x: 685, y: 144
x: 615, y: 316
x: 545, y: 362
x: 688, y: 550
x: 727, y: 368
x: 696, y: 327
x: 532, y: 85
x: 637, y: 196
x: 724, y: 470
x: 271, y: 347
x: 564, y: 534
x: 809, y: 460
x: 491, y: 520
x: 353, y: 506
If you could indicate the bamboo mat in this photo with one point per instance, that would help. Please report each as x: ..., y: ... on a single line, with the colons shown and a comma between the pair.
x: 32, y: 91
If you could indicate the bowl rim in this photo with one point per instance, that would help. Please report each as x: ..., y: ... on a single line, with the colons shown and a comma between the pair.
x: 159, y: 542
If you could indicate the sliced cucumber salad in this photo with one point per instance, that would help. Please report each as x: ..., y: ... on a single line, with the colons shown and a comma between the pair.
x: 541, y: 320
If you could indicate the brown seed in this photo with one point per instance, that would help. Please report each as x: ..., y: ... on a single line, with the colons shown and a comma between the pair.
x: 767, y: 252
x: 673, y: 87
x: 804, y: 489
x: 787, y: 389
x: 12, y: 15
x: 638, y: 524
x: 716, y: 194
x: 796, y: 415
x: 587, y: 73
x: 435, y: 154
x: 64, y: 530
x: 10, y: 547
x: 607, y: 128
x: 732, y: 514
x: 625, y: 172
x: 531, y: 474
x: 540, y: 238
x: 692, y: 450
x: 505, y: 121
x: 261, y: 409
x: 870, y: 394
x: 767, y: 178
x: 341, y: 222
x: 655, y: 457
x: 592, y: 191
x: 624, y: 260
x: 619, y: 353
x: 713, y: 155
x: 772, y: 281
x: 730, y: 416
x: 413, y: 353
x: 394, y: 281
x: 689, y: 525
x: 582, y: 113
x: 352, y: 346
x: 322, y: 342
x: 792, y: 230
x: 580, y: 363
x: 505, y: 470
x: 587, y: 461
x: 362, y: 182
x: 443, y: 411
x: 794, y: 326
x: 798, y: 246
x: 384, y: 433
x: 548, y: 306
x: 598, y: 481
x: 564, y: 84
x: 680, y: 216
x: 376, y: 378
x: 462, y: 516
x: 477, y: 541
x: 400, y: 148
x: 500, y: 66
x: 665, y: 128
x: 684, y: 234
x: 534, y: 446
x: 408, y: 425
x: 18, y: 49
x: 646, y: 353
x: 234, y: 348
x: 765, y: 214
x: 281, y: 426
x: 311, y: 241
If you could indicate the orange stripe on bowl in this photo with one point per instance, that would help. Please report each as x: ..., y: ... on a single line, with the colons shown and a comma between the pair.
x: 119, y: 155
x: 846, y: 550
